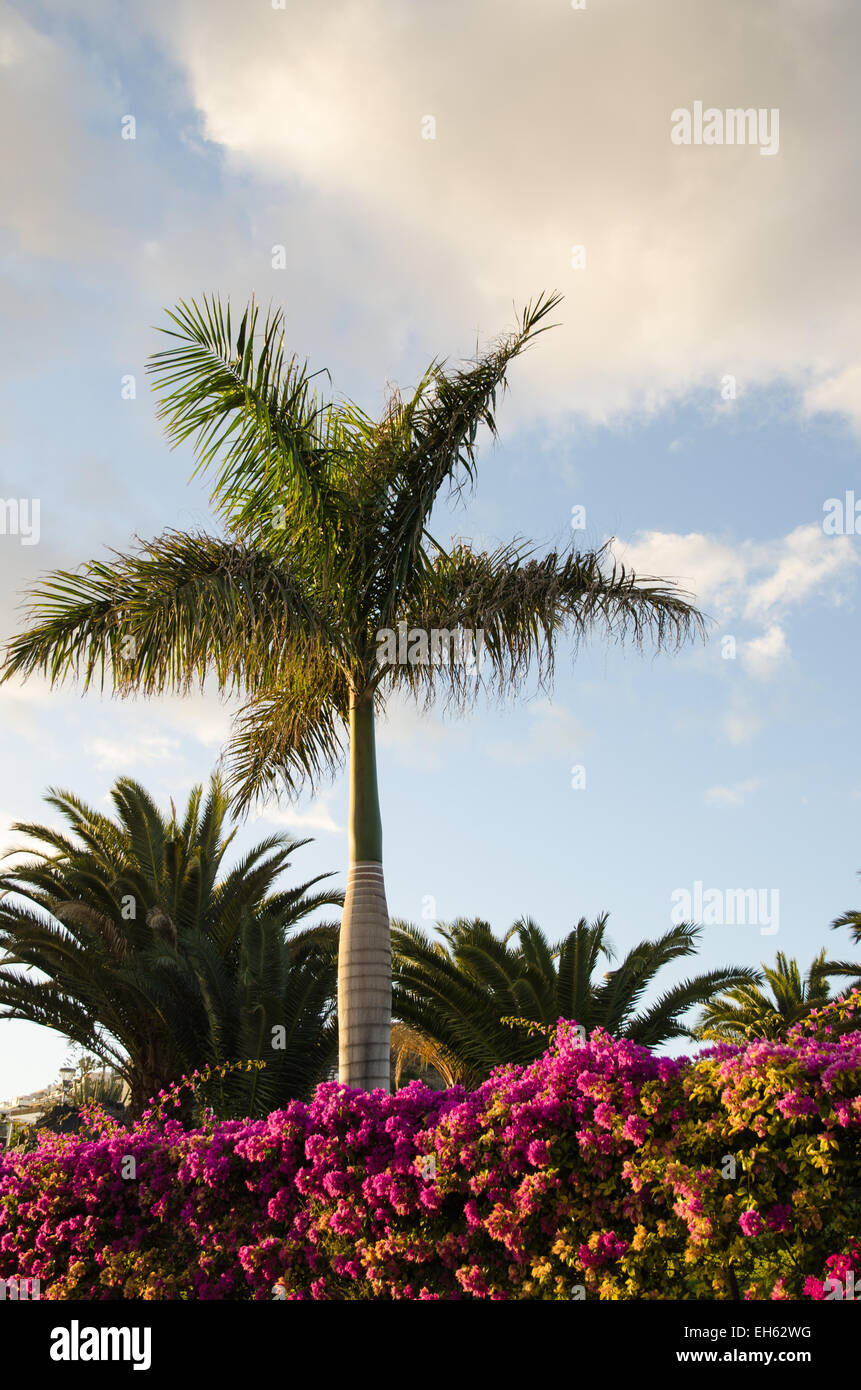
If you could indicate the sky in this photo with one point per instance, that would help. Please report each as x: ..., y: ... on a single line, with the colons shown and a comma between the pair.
x: 401, y: 178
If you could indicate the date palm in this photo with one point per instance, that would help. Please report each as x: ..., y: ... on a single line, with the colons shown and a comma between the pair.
x: 130, y: 937
x: 748, y: 1010
x: 325, y: 514
x: 452, y: 992
x: 271, y: 998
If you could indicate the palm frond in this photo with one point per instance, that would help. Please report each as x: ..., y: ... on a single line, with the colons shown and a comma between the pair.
x: 200, y: 970
x: 433, y: 441
x: 243, y: 401
x: 163, y: 617
x: 288, y: 736
x: 521, y: 605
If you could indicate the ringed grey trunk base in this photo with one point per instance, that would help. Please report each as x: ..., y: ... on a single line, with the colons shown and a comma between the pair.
x: 365, y: 982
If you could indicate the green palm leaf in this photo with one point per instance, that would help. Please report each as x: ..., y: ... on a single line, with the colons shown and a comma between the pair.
x: 197, y: 972
x: 451, y: 995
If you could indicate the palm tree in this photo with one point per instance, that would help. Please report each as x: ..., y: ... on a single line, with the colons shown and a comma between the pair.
x: 451, y: 994
x: 270, y: 997
x: 326, y: 554
x: 748, y: 1011
x: 157, y: 959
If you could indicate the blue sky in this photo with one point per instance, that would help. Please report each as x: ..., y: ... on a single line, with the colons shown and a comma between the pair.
x: 701, y: 399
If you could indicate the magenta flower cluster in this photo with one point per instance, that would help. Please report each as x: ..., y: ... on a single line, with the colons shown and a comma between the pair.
x: 600, y: 1165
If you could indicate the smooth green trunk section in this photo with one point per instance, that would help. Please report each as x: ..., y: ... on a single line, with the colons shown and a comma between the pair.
x: 366, y: 827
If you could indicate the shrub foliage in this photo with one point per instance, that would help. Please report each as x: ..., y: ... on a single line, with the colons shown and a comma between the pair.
x: 598, y: 1171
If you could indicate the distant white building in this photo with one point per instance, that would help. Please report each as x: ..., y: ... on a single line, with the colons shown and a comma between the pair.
x: 27, y: 1108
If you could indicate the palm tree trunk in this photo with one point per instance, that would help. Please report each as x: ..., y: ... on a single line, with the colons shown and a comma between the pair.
x: 365, y: 950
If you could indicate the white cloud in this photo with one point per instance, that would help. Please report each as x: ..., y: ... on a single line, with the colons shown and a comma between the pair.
x: 39, y: 76
x: 201, y: 715
x: 840, y: 394
x: 22, y: 703
x: 763, y: 656
x: 136, y: 750
x: 400, y: 247
x: 750, y: 584
x: 553, y: 130
x: 733, y: 795
x: 754, y: 581
x: 802, y: 563
x: 713, y: 571
x: 317, y: 817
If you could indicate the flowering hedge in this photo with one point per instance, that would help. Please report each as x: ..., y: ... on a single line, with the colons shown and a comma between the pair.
x: 599, y: 1171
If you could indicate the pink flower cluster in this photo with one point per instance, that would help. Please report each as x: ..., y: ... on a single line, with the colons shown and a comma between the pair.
x: 600, y: 1164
